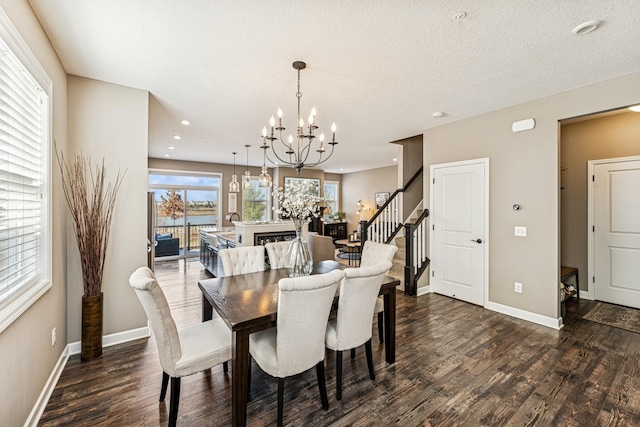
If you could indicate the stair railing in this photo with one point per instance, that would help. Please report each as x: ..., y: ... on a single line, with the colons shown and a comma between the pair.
x: 385, y: 224
x: 415, y: 252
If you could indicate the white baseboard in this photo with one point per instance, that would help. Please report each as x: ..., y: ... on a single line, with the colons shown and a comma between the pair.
x: 70, y: 350
x: 113, y: 339
x: 586, y: 295
x: 549, y: 322
x: 423, y: 290
x: 47, y: 390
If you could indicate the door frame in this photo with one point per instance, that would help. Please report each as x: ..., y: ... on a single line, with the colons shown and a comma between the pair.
x: 591, y: 261
x: 485, y: 162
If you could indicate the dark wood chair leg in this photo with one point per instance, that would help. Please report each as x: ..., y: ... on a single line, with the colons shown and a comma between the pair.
x: 225, y: 367
x: 280, y: 400
x: 249, y: 378
x: 338, y: 375
x: 165, y: 384
x: 367, y: 348
x: 353, y: 353
x: 322, y: 385
x: 175, y: 401
x: 381, y: 326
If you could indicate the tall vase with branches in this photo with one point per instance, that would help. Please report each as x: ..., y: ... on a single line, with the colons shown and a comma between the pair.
x: 91, y: 200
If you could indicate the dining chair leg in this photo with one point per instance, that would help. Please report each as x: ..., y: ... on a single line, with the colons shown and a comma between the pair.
x: 175, y: 400
x: 353, y: 353
x: 249, y: 378
x: 225, y: 367
x: 165, y: 384
x: 381, y: 327
x: 280, y: 400
x: 338, y: 375
x: 322, y: 385
x: 367, y: 348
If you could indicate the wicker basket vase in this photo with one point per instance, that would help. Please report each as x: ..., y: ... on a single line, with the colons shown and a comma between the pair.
x: 91, y: 327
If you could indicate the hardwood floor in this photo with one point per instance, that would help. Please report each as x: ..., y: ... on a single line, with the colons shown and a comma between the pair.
x: 457, y: 364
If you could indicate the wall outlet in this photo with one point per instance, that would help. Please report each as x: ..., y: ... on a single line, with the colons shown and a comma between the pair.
x: 53, y: 337
x: 520, y: 231
x: 518, y: 287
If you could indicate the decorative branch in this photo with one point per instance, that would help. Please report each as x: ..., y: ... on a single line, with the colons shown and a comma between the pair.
x: 91, y: 201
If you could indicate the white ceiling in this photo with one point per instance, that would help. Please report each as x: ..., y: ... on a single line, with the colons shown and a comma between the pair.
x: 378, y: 68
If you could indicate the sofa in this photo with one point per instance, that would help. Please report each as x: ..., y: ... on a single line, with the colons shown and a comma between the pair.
x: 167, y: 245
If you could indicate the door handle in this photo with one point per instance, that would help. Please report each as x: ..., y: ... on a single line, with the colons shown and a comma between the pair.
x: 477, y: 240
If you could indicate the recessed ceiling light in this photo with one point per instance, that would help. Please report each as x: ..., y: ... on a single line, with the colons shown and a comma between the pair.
x: 186, y: 122
x: 177, y: 137
x: 438, y: 114
x: 586, y: 27
x: 166, y: 155
x: 395, y: 160
x: 635, y: 108
x: 341, y: 169
x: 171, y: 147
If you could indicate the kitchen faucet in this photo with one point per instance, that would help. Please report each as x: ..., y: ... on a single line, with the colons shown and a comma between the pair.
x: 231, y: 216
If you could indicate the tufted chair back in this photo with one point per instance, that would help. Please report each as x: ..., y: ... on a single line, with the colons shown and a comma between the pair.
x: 277, y: 252
x: 374, y: 253
x: 155, y: 306
x: 245, y: 259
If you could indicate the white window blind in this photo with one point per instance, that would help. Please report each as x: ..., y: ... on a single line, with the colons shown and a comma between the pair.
x: 24, y: 115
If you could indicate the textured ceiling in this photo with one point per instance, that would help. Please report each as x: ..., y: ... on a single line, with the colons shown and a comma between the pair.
x: 378, y: 68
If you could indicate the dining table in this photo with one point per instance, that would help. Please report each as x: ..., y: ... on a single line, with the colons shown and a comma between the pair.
x: 248, y: 303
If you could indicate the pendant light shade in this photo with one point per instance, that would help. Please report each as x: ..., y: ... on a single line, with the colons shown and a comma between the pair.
x: 247, y: 174
x: 234, y: 186
x: 264, y: 179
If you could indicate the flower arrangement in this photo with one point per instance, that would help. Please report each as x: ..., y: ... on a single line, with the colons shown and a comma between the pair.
x: 299, y: 203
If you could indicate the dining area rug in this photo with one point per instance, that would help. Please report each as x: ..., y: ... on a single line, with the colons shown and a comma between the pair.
x: 615, y: 315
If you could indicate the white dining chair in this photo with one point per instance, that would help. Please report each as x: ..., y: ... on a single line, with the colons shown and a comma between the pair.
x: 277, y: 252
x: 242, y: 260
x: 182, y: 352
x: 296, y: 344
x: 352, y: 326
x: 373, y: 253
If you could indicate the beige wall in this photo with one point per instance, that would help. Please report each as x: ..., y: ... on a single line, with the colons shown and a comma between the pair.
x: 524, y: 169
x: 26, y: 354
x: 362, y: 186
x: 600, y: 138
x: 110, y: 121
x: 411, y: 163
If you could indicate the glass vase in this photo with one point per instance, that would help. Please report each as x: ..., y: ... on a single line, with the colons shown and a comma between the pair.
x: 299, y: 262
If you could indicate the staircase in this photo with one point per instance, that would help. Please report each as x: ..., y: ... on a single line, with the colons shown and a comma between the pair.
x: 385, y: 227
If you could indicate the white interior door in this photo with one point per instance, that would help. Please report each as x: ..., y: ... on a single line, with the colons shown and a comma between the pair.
x: 459, y: 199
x: 616, y: 229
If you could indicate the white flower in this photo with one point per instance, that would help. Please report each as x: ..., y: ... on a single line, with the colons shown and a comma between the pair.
x: 299, y: 202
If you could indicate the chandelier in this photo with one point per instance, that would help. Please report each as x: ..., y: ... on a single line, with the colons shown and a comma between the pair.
x: 296, y: 153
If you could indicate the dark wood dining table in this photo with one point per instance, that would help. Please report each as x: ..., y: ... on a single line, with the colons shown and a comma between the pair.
x: 249, y: 303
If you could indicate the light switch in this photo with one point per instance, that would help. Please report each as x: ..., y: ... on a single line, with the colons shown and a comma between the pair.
x: 521, y: 231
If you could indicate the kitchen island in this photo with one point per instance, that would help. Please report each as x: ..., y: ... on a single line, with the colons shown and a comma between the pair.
x: 242, y: 234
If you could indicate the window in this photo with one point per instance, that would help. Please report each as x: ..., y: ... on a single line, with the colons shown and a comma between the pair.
x: 24, y: 176
x: 255, y: 202
x: 331, y: 196
x: 185, y: 203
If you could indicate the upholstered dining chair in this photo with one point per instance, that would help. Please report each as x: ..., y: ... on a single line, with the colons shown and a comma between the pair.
x: 321, y: 247
x: 351, y: 328
x: 182, y: 352
x: 277, y: 252
x: 373, y: 253
x: 242, y: 260
x: 296, y: 344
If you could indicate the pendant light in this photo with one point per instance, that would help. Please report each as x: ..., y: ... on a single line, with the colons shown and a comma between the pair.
x: 234, y: 186
x: 247, y: 173
x: 264, y: 179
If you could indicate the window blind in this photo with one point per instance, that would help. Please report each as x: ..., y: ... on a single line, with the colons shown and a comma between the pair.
x: 23, y: 121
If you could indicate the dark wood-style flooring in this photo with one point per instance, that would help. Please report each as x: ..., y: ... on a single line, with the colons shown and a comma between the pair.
x: 457, y: 365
